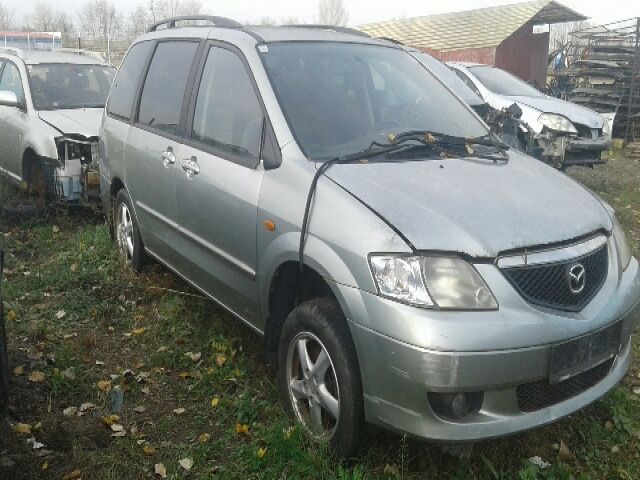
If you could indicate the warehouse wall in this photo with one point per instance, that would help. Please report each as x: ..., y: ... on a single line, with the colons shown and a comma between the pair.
x: 525, y: 54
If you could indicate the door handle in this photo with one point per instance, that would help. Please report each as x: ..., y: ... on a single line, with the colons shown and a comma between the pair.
x: 168, y: 157
x: 190, y: 165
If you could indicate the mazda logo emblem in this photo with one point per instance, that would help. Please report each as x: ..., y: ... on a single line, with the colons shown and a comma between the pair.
x: 577, y: 278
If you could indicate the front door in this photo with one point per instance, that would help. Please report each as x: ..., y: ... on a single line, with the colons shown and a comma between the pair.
x: 153, y: 142
x: 13, y: 121
x: 218, y: 181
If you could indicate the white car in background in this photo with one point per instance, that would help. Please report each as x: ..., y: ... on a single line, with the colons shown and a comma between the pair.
x: 567, y: 134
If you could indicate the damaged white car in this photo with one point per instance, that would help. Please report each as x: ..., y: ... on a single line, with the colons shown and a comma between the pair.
x: 566, y: 133
x: 51, y: 106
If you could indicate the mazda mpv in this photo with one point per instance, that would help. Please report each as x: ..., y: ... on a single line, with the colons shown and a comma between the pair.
x: 403, y: 266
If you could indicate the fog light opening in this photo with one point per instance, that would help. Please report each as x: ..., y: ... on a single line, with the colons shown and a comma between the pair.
x: 455, y: 406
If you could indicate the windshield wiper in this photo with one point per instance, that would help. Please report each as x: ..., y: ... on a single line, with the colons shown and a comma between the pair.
x: 465, y: 144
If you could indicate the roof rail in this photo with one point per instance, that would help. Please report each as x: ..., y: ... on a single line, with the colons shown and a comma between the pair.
x: 12, y: 51
x: 79, y: 51
x: 216, y: 21
x: 334, y: 28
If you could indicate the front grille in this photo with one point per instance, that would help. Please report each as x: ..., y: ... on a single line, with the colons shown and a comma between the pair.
x: 542, y: 394
x: 585, y: 131
x: 548, y: 285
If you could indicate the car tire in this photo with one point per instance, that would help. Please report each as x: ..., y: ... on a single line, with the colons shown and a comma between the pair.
x: 331, y: 383
x: 127, y: 233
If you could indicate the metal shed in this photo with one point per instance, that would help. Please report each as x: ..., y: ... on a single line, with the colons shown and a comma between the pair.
x: 514, y: 37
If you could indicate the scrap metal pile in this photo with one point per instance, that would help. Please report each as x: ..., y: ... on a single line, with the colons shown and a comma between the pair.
x: 601, y: 62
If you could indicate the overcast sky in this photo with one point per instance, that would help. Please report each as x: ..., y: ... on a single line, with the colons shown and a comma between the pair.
x: 360, y: 11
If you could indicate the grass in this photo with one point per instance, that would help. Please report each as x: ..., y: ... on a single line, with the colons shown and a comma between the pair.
x: 79, y: 316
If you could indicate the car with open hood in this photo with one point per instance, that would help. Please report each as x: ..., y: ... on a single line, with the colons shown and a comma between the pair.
x: 403, y: 266
x: 567, y: 133
x: 51, y: 106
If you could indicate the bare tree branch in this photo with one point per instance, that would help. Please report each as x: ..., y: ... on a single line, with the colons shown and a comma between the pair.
x: 332, y: 12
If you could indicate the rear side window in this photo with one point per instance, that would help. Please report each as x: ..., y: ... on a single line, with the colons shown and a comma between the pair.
x: 125, y: 85
x: 228, y: 116
x: 165, y: 85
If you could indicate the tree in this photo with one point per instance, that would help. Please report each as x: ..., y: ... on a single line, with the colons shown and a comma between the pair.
x: 45, y: 18
x: 101, y: 22
x: 162, y: 9
x: 6, y: 19
x: 332, y: 12
x: 137, y: 22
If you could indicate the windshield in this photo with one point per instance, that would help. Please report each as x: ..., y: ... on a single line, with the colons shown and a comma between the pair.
x: 503, y: 83
x: 57, y: 86
x: 446, y: 75
x: 339, y: 97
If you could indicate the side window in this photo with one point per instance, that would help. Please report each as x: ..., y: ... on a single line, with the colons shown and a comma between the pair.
x: 125, y: 85
x: 165, y: 85
x: 227, y: 114
x: 12, y: 81
x: 468, y: 81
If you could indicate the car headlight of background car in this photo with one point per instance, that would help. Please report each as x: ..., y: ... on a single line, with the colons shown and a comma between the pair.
x: 557, y: 123
x: 431, y: 281
x: 622, y: 245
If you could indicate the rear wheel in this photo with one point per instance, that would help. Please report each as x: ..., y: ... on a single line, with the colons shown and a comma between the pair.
x: 127, y: 233
x: 319, y: 376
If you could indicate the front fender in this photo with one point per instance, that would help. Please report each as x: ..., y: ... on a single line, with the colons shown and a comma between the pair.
x: 40, y: 138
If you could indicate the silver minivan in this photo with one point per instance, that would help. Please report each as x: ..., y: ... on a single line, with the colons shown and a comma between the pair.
x: 404, y: 267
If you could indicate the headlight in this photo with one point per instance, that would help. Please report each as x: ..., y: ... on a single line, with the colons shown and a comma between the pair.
x: 622, y: 245
x: 439, y: 282
x: 557, y: 123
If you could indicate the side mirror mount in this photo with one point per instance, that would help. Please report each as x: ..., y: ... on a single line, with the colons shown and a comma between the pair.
x: 8, y: 99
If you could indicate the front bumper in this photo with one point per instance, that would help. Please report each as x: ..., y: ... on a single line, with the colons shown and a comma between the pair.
x: 564, y: 150
x: 398, y: 374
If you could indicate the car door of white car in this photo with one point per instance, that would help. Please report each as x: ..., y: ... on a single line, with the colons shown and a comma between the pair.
x: 13, y: 121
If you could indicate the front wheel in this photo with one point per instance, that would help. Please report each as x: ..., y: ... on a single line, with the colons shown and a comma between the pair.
x: 319, y: 376
x: 127, y: 233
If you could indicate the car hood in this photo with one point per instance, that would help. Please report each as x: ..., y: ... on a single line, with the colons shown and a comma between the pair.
x: 575, y: 113
x: 473, y: 206
x: 80, y: 121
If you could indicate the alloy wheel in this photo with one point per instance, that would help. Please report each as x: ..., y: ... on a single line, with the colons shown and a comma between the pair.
x: 124, y: 229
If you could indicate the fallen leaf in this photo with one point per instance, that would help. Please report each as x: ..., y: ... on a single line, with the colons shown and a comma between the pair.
x: 193, y: 356
x: 116, y: 427
x: 261, y: 452
x: 391, y: 470
x: 138, y: 331
x: 204, y: 437
x: 87, y: 406
x: 55, y: 229
x: 121, y: 433
x: 615, y: 449
x: 104, y: 385
x: 139, y: 409
x: 160, y: 470
x: 636, y: 390
x: 22, y: 428
x: 564, y: 453
x: 110, y: 420
x: 145, y: 390
x: 72, y: 475
x: 68, y: 336
x: 215, y: 401
x: 138, y: 365
x: 163, y: 349
x: 186, y: 463
x: 608, y: 425
x: 19, y: 370
x: 45, y: 465
x: 11, y: 315
x: 99, y: 362
x: 70, y: 411
x: 220, y: 359
x: 185, y: 375
x: 69, y: 373
x: 539, y: 462
x: 74, y: 267
x: 242, y: 428
x: 148, y: 450
x: 36, y: 376
x: 179, y: 411
x: 61, y: 314
x: 34, y: 443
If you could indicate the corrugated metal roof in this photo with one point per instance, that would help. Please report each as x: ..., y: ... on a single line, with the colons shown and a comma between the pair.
x: 484, y: 27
